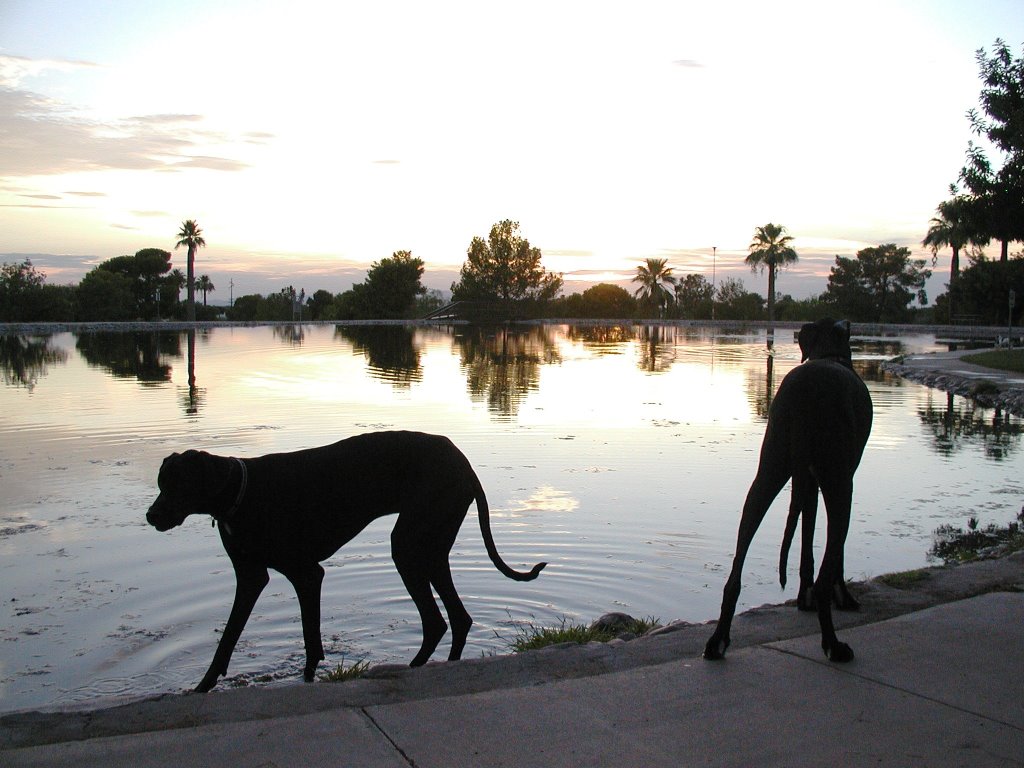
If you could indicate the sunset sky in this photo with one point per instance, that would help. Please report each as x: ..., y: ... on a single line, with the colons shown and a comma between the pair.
x: 310, y: 139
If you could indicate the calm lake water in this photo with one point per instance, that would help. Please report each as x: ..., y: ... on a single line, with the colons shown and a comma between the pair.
x: 620, y: 455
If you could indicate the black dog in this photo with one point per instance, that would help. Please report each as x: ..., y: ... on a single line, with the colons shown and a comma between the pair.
x: 818, y: 426
x: 290, y: 511
x: 817, y: 341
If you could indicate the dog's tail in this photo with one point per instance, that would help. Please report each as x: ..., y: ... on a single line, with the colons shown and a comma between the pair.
x: 484, y: 513
x: 787, y: 540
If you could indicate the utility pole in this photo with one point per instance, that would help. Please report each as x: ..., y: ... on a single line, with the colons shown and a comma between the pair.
x: 714, y: 266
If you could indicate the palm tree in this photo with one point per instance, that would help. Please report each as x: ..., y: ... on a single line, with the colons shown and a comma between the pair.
x: 771, y: 250
x: 191, y: 236
x: 955, y: 227
x: 657, y: 284
x: 205, y: 284
x: 176, y: 279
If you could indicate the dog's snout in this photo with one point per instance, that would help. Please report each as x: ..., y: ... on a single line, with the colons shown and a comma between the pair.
x: 162, y: 517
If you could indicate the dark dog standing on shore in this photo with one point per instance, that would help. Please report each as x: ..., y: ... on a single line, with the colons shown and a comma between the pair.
x: 818, y: 425
x: 291, y: 511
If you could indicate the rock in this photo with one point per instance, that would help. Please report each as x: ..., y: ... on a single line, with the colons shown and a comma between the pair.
x: 613, y: 622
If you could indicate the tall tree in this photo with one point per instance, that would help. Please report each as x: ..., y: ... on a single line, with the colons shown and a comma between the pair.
x: 505, y: 268
x: 983, y: 288
x: 877, y: 285
x: 999, y: 192
x: 19, y: 284
x: 657, y: 284
x: 956, y: 226
x: 205, y: 284
x: 191, y: 236
x: 390, y: 291
x: 694, y: 295
x: 770, y: 249
x: 144, y: 274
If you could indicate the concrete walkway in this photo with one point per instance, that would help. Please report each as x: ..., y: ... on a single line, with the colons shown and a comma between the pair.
x: 936, y: 687
x: 949, y: 372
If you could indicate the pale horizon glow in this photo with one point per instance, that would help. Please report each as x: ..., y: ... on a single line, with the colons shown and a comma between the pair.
x: 309, y: 141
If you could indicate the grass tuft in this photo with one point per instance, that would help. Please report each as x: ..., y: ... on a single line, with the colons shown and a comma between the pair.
x: 530, y: 637
x: 905, y: 579
x: 341, y: 673
x: 954, y: 544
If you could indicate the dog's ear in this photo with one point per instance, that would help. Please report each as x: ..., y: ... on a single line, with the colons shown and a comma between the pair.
x: 177, y: 462
x: 808, y: 340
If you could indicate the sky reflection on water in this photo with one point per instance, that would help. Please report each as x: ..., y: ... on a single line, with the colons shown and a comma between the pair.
x: 621, y: 455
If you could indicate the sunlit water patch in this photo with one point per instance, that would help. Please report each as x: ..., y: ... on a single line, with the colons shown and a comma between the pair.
x: 621, y: 456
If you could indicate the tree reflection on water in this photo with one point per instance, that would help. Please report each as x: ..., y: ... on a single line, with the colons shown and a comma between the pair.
x: 503, y: 364
x: 27, y: 359
x: 392, y: 352
x: 131, y: 355
x: 956, y: 423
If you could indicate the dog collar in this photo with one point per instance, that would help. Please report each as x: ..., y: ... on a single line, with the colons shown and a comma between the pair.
x: 241, y: 489
x: 835, y: 359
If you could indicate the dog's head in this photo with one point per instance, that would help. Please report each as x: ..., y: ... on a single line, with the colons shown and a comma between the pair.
x: 826, y: 338
x: 186, y: 481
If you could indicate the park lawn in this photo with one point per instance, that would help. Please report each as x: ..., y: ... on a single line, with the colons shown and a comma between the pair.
x: 1001, y: 359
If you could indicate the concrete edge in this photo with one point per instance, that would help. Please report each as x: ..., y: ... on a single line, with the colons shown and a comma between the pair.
x: 392, y: 684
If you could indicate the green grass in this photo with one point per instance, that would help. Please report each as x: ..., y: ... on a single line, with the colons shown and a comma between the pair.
x: 956, y: 545
x: 530, y: 637
x: 341, y: 673
x: 1000, y: 359
x: 905, y: 579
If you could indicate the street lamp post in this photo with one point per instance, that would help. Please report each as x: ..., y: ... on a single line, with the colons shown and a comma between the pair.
x: 714, y: 265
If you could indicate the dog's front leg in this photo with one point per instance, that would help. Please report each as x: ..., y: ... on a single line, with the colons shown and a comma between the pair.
x: 250, y: 579
x: 307, y: 581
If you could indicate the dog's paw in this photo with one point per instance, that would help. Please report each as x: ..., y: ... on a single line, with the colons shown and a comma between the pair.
x: 843, y: 600
x: 839, y: 653
x: 805, y: 599
x: 715, y: 649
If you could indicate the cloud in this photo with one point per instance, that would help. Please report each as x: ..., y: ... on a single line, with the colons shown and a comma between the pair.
x: 14, y: 69
x: 568, y: 253
x: 40, y: 205
x: 688, y: 64
x: 209, y: 163
x: 40, y: 136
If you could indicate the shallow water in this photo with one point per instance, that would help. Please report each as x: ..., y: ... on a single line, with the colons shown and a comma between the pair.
x: 619, y: 455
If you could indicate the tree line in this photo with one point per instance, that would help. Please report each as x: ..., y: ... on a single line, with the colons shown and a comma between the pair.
x: 879, y: 284
x: 503, y: 271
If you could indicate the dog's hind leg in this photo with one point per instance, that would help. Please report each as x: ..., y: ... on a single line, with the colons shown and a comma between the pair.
x: 838, y: 498
x: 458, y: 616
x: 307, y: 580
x: 250, y: 579
x: 805, y: 489
x: 765, y: 488
x: 407, y: 552
x: 841, y: 597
